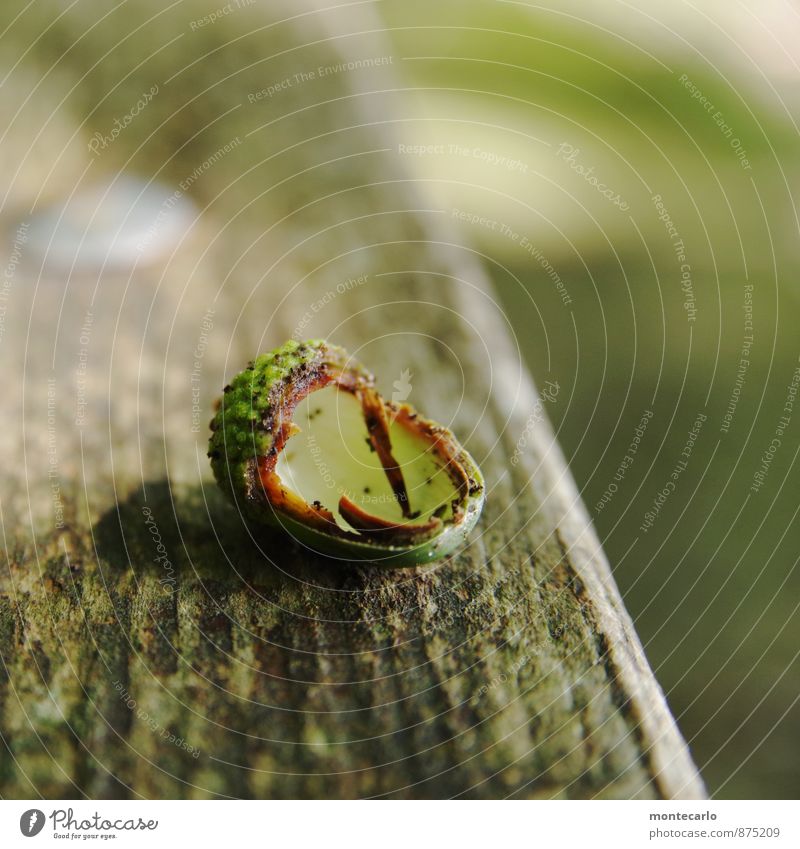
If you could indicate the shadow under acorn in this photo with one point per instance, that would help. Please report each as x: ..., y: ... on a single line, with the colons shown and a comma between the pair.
x: 237, y: 637
x: 177, y: 547
x: 180, y: 532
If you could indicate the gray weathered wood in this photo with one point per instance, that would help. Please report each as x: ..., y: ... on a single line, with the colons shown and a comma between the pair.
x: 511, y: 669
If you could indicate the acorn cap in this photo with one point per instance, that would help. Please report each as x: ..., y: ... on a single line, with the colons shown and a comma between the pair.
x: 368, y: 480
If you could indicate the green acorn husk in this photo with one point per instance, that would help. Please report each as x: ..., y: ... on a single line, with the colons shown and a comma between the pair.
x: 254, y: 423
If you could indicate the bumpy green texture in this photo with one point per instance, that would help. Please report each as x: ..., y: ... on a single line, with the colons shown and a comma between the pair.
x: 239, y: 428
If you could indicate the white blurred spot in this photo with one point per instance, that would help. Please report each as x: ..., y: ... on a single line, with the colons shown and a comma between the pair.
x: 112, y: 225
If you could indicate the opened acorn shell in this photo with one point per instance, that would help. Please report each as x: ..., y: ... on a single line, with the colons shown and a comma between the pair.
x: 303, y: 441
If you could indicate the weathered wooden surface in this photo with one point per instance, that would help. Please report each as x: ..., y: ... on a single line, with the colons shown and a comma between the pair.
x: 510, y: 670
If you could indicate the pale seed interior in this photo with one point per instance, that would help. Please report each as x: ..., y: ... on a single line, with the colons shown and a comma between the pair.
x: 331, y: 456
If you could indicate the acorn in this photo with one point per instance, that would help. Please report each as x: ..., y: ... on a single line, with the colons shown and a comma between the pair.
x: 303, y: 441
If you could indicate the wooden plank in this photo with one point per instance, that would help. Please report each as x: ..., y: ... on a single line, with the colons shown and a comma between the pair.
x: 227, y: 665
